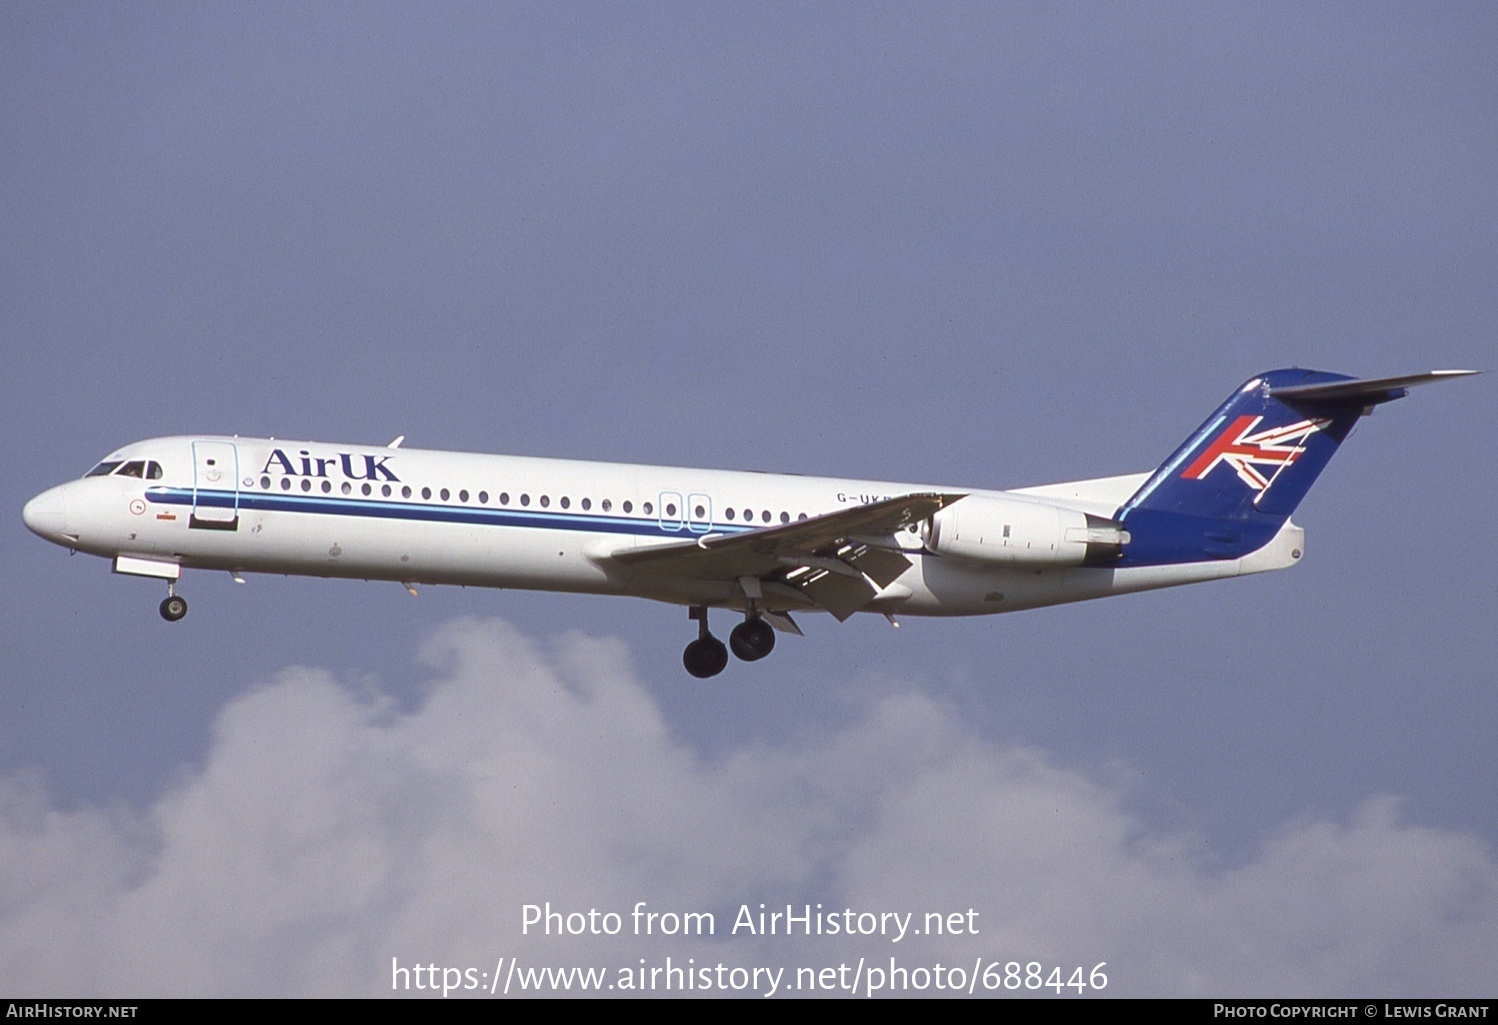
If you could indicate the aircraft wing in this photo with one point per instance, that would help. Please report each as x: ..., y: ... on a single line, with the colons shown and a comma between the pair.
x: 837, y: 561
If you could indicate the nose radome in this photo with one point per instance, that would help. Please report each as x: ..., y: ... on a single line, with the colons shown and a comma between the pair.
x: 47, y: 515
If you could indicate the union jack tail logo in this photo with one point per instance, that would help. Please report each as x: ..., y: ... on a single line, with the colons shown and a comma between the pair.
x: 1245, y: 451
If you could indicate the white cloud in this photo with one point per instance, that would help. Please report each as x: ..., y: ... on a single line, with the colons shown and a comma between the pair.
x: 330, y: 830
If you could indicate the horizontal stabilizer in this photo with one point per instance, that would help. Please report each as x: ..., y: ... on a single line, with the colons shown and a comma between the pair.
x: 1368, y: 392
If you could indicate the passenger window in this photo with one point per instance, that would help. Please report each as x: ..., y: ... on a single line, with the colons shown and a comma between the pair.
x: 483, y: 498
x: 545, y: 501
x: 629, y: 507
x: 367, y: 489
x: 285, y: 483
x: 406, y: 491
x: 728, y: 512
x: 265, y: 483
x: 607, y: 505
x: 564, y: 502
x: 587, y: 504
x: 647, y: 507
x: 426, y: 493
x: 463, y: 495
x: 444, y: 494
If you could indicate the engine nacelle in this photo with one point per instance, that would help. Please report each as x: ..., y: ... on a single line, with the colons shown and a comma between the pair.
x: 1017, y: 532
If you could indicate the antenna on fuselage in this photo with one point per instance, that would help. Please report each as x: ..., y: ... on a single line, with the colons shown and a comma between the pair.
x: 397, y: 442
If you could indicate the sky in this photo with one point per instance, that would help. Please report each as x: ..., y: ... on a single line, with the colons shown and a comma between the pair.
x: 984, y: 245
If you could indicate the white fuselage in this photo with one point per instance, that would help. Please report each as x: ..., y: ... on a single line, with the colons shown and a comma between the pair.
x: 264, y: 506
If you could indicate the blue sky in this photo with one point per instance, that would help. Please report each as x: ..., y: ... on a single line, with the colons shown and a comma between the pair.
x: 990, y: 245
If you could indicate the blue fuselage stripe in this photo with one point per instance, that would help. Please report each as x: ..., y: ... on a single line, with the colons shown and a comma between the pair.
x: 317, y: 505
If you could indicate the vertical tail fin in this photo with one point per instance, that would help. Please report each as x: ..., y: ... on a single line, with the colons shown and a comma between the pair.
x: 1231, y: 486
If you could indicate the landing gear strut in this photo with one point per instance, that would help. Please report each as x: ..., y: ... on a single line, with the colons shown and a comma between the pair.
x: 173, y: 606
x: 752, y: 639
x: 706, y: 656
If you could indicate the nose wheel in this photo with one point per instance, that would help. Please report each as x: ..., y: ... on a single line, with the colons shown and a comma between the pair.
x: 173, y: 606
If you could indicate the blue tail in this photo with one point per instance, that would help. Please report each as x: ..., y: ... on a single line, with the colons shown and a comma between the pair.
x: 1229, y: 489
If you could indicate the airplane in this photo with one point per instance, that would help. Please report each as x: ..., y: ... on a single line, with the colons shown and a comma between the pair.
x: 764, y: 545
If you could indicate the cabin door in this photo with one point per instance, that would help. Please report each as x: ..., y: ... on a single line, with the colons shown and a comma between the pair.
x: 215, y: 485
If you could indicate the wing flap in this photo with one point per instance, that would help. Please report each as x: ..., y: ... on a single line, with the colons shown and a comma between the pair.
x: 879, y: 565
x: 783, y: 622
x: 842, y: 596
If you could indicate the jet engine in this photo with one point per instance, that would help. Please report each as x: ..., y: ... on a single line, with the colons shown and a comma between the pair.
x: 1016, y: 532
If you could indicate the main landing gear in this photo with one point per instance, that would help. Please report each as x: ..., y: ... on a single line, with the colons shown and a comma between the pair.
x: 173, y: 606
x: 752, y: 639
x: 707, y: 656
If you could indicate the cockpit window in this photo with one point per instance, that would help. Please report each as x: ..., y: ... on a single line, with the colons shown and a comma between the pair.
x: 148, y: 469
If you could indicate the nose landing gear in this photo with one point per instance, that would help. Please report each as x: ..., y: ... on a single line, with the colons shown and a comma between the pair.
x: 173, y: 606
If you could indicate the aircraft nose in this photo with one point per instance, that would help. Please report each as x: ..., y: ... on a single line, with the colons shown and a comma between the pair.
x: 47, y: 515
